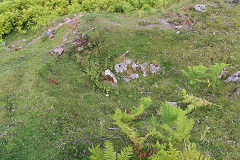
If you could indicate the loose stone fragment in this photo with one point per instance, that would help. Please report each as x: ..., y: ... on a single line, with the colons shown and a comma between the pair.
x: 144, y: 68
x: 234, y: 78
x: 200, y: 7
x: 80, y: 49
x: 222, y: 74
x: 65, y: 37
x: 131, y: 77
x: 109, y: 76
x: 154, y: 69
x: 58, y: 50
x: 175, y: 104
x: 135, y: 66
x: 236, y: 93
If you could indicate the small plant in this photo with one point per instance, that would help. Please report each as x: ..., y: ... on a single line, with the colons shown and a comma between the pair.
x: 204, y: 75
x: 109, y: 154
x: 170, y: 131
x: 124, y: 120
x: 194, y: 102
x: 196, y: 74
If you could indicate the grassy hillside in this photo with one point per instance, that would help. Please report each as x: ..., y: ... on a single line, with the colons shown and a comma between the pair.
x: 42, y: 120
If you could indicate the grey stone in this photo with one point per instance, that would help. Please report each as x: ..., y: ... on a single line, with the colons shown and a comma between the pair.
x: 49, y: 32
x: 223, y: 73
x: 3, y: 43
x: 131, y: 77
x: 236, y: 93
x: 200, y: 7
x: 121, y: 67
x: 134, y: 76
x: 126, y: 79
x: 144, y: 68
x: 108, y: 73
x: 84, y: 35
x: 58, y: 50
x: 175, y: 104
x: 235, y: 1
x: 90, y: 45
x: 126, y: 54
x: 65, y: 37
x: 80, y: 49
x: 154, y: 69
x: 135, y: 66
x: 234, y: 78
x: 67, y: 20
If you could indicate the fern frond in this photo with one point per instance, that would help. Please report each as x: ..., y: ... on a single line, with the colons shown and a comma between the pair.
x: 97, y: 153
x: 168, y: 113
x: 193, y: 154
x: 214, y: 72
x: 109, y: 153
x: 125, y: 153
x: 196, y: 74
x: 183, y: 127
x: 170, y: 154
x: 194, y: 102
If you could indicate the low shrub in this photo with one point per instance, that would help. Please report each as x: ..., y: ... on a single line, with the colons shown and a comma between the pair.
x: 21, y: 15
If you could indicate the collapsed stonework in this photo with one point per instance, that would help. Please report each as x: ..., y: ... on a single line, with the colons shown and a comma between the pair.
x: 128, y: 70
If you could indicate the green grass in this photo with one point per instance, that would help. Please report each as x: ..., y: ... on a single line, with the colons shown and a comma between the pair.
x: 39, y: 118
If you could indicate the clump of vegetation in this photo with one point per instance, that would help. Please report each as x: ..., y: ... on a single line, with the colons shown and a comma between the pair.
x: 205, y: 75
x: 31, y: 14
x: 109, y: 154
x: 170, y: 130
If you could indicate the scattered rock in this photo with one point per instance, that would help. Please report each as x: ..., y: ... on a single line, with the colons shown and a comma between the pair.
x: 175, y: 104
x: 84, y: 35
x: 135, y: 66
x: 234, y: 78
x: 223, y: 73
x: 80, y: 49
x: 189, y: 22
x: 126, y: 79
x: 126, y: 54
x: 58, y: 50
x: 65, y: 37
x: 109, y: 76
x: 10, y: 47
x: 154, y: 69
x: 235, y: 1
x: 90, y: 45
x: 200, y: 7
x: 144, y: 68
x: 121, y: 67
x: 165, y: 24
x: 79, y: 42
x: 19, y: 48
x: 3, y: 43
x: 178, y: 27
x: 49, y: 32
x: 51, y: 36
x: 236, y: 93
x: 131, y: 77
x: 67, y: 20
x: 52, y: 80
